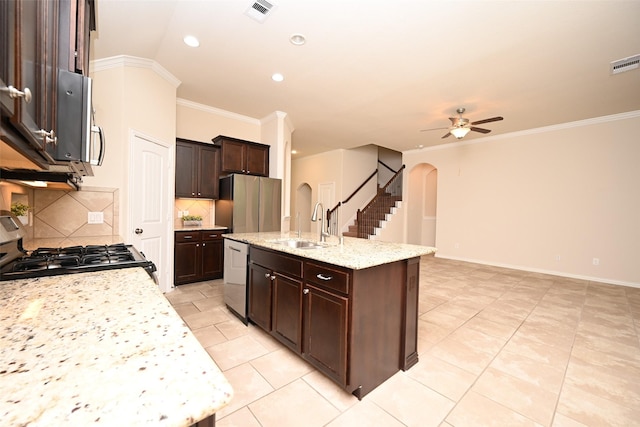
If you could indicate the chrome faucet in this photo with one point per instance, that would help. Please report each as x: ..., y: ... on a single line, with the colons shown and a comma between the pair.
x: 314, y: 218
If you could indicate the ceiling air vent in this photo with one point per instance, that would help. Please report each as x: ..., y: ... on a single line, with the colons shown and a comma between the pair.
x: 259, y: 10
x: 625, y: 64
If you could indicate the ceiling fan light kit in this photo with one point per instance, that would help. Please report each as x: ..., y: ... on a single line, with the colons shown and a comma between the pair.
x: 461, y: 126
x: 460, y: 133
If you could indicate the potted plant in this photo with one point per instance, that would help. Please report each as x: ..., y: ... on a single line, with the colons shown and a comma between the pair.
x: 192, y: 220
x: 20, y: 210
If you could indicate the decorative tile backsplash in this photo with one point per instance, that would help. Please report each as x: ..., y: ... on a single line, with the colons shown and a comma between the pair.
x: 204, y: 208
x: 58, y: 213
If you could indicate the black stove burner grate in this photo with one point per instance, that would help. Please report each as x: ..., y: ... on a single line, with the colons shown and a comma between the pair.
x: 74, y: 259
x: 42, y: 262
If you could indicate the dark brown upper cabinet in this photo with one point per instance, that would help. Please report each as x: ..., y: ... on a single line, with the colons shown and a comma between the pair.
x: 197, y: 169
x: 245, y: 157
x: 35, y: 39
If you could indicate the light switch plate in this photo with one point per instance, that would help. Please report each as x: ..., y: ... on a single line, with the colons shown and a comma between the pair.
x: 95, y: 218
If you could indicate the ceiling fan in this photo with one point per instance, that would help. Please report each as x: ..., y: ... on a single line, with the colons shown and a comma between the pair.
x: 461, y: 126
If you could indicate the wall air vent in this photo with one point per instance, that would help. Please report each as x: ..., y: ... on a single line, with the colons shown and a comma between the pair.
x: 259, y: 10
x: 625, y: 64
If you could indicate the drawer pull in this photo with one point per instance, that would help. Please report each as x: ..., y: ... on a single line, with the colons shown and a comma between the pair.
x: 323, y: 277
x: 234, y: 249
x: 187, y: 237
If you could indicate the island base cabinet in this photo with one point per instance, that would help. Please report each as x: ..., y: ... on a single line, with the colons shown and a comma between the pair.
x: 287, y: 300
x: 325, y: 325
x: 259, y: 296
x: 356, y: 326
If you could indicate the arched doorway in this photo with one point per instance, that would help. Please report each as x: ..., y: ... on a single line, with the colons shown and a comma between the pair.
x: 303, y: 207
x: 423, y: 190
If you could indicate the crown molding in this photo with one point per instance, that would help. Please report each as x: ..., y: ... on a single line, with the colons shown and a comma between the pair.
x: 217, y: 111
x: 134, y: 62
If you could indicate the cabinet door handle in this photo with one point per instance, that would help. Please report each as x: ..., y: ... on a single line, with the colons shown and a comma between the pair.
x: 305, y: 291
x: 267, y: 275
x: 273, y: 277
x: 323, y: 277
x: 204, y: 244
x: 15, y: 93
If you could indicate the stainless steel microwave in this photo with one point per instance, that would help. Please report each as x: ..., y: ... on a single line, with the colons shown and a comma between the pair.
x: 75, y: 145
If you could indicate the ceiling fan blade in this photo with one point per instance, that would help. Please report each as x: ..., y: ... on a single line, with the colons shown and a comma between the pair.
x: 448, y: 134
x: 480, y: 130
x: 425, y: 130
x: 492, y: 119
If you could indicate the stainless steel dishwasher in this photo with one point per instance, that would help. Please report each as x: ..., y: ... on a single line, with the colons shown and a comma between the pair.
x: 236, y: 258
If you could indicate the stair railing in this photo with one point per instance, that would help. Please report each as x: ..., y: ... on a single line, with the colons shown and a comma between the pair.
x: 369, y: 217
x: 333, y: 214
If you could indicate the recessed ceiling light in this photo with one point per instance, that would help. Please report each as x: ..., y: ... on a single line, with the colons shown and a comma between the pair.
x: 277, y: 77
x: 294, y: 152
x: 297, y: 39
x: 191, y: 41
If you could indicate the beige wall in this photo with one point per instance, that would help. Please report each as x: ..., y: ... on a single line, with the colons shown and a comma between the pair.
x: 347, y: 169
x: 547, y: 200
x: 129, y: 97
x: 202, y: 123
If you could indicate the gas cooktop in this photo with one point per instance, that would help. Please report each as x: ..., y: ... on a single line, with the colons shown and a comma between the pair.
x: 17, y: 263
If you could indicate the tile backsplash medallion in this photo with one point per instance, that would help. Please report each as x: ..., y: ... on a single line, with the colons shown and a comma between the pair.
x: 58, y: 213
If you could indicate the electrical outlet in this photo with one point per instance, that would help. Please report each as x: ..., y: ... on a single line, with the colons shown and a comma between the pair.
x: 185, y: 213
x: 557, y: 257
x: 95, y: 218
x: 456, y: 246
x: 596, y: 261
x: 179, y: 214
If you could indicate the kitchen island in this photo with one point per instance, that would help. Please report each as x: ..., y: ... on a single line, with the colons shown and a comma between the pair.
x: 105, y: 349
x: 350, y: 309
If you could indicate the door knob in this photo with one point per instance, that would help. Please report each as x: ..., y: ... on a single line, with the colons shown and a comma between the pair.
x: 138, y: 230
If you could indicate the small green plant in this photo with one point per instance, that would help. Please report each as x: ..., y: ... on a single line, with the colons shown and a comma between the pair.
x: 192, y: 218
x: 19, y: 209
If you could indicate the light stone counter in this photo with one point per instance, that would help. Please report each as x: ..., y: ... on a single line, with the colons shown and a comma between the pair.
x: 182, y: 227
x: 101, y: 349
x: 354, y: 253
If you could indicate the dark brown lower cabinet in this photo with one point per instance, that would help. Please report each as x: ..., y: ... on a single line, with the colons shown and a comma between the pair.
x: 287, y: 303
x: 259, y: 304
x: 358, y: 327
x: 210, y: 421
x: 325, y: 343
x: 198, y: 255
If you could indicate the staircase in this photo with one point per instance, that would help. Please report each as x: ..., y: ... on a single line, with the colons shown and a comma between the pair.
x: 371, y: 216
x: 378, y: 210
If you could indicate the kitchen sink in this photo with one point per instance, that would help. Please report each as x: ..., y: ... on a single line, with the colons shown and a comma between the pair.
x: 300, y: 244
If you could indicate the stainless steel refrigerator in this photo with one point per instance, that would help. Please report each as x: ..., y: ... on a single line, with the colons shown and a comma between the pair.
x: 247, y: 204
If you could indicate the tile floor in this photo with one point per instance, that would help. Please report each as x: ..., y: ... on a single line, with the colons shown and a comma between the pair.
x: 497, y: 347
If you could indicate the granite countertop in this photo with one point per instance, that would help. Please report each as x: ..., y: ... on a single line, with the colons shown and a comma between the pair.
x: 198, y: 227
x: 354, y: 253
x: 101, y: 349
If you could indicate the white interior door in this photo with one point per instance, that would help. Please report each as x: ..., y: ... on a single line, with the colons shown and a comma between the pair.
x: 148, y: 204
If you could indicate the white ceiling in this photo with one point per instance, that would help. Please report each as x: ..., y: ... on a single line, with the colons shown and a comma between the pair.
x: 375, y: 72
